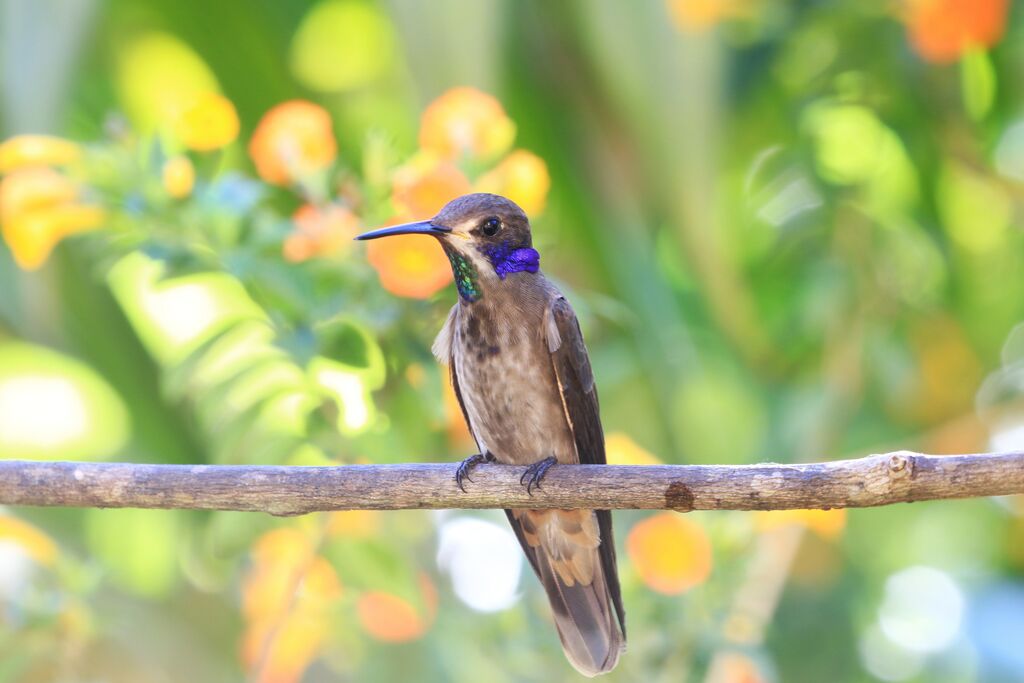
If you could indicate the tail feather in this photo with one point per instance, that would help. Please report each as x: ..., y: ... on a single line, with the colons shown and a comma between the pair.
x: 587, y: 614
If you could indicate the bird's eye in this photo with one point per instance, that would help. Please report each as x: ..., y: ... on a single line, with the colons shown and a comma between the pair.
x: 491, y: 226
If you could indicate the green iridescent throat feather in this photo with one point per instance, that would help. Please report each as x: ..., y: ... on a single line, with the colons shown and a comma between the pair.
x: 467, y: 280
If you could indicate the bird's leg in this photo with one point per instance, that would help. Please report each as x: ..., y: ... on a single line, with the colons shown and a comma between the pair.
x: 462, y: 471
x: 535, y: 472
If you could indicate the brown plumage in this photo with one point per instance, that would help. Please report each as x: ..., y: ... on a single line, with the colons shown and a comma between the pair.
x: 523, y: 379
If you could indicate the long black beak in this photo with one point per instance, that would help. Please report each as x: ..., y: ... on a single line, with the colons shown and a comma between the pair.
x: 417, y: 228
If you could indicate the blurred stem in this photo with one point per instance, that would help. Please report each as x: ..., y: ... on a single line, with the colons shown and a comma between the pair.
x: 757, y: 598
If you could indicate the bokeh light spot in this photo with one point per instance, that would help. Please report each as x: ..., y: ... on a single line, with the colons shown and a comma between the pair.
x: 922, y: 609
x: 53, y: 407
x: 484, y: 561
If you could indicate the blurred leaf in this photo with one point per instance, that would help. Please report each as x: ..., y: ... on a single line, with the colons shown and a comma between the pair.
x: 176, y: 315
x: 53, y: 407
x: 853, y: 147
x: 138, y: 548
x: 963, y: 195
x: 342, y: 45
x: 718, y: 419
x: 977, y: 83
x: 350, y: 388
x: 159, y: 77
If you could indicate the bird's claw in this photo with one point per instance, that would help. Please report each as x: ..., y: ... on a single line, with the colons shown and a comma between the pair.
x: 534, y: 473
x: 462, y: 471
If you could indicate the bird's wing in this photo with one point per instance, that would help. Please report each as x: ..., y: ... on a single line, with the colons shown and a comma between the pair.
x: 582, y: 412
x: 575, y: 381
x: 442, y: 347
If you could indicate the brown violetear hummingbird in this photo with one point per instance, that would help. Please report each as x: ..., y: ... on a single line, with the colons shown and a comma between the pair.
x: 523, y: 379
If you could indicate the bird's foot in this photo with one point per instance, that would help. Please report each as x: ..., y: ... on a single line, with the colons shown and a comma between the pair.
x: 462, y: 471
x: 535, y: 472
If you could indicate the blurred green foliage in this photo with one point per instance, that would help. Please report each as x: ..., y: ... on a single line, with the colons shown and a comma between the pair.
x: 792, y: 231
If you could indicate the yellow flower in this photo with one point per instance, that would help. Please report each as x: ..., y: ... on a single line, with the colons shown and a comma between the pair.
x: 622, y: 450
x: 353, y: 524
x: 34, y: 188
x: 31, y: 236
x: 466, y: 122
x: 701, y: 15
x: 210, y: 123
x: 320, y: 231
x: 291, y: 141
x: 825, y: 523
x: 31, y: 540
x: 179, y: 177
x: 24, y: 151
x: 670, y: 553
x: 522, y: 177
x: 38, y: 210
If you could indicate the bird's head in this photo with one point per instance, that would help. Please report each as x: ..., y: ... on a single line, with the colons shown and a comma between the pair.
x: 486, y: 237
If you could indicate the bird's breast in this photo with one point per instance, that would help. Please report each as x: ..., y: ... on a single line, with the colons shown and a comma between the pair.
x: 509, y: 387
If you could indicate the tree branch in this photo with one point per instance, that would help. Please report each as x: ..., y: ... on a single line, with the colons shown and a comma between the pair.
x: 875, y: 480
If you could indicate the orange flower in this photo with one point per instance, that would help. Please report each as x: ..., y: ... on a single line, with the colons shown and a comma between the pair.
x: 424, y: 185
x: 522, y: 177
x: 734, y: 667
x: 286, y: 599
x: 942, y: 30
x: 278, y: 557
x: 210, y: 123
x: 670, y: 553
x: 466, y: 122
x: 622, y: 450
x: 23, y: 151
x: 413, y: 266
x: 320, y: 231
x: 392, y: 619
x: 179, y: 176
x: 825, y: 523
x: 291, y: 141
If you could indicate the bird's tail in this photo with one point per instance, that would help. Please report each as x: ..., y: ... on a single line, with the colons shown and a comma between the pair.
x: 579, y: 575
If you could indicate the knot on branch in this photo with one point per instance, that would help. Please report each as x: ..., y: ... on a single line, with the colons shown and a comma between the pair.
x: 900, y: 465
x: 679, y: 497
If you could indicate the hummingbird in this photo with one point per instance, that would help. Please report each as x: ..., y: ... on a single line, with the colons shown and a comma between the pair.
x: 522, y: 377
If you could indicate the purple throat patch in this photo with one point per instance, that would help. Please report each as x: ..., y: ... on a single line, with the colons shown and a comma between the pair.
x: 519, y: 260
